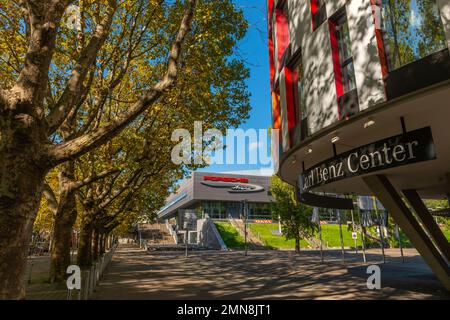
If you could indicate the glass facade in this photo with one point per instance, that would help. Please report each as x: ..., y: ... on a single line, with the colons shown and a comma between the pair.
x: 318, y: 12
x: 226, y: 210
x: 412, y: 30
x: 345, y: 55
x: 300, y: 97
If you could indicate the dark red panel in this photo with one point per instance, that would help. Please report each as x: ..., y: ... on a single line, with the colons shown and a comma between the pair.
x: 282, y: 34
x: 336, y: 62
x: 225, y: 179
x: 271, y: 45
x: 290, y: 102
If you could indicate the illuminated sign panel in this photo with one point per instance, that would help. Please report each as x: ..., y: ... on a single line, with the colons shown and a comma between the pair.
x: 234, y: 185
x: 407, y: 148
x: 225, y: 179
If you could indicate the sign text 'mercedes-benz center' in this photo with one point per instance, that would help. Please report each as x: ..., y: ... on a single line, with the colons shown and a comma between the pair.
x: 411, y: 147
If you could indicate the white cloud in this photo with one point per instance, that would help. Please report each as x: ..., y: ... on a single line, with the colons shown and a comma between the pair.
x: 254, y: 146
x: 267, y: 172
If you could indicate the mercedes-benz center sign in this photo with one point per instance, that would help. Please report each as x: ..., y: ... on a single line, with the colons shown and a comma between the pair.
x: 411, y: 147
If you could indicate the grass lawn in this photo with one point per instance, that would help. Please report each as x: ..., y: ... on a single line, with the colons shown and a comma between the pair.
x: 230, y: 235
x: 447, y: 234
x: 330, y: 236
x: 277, y: 242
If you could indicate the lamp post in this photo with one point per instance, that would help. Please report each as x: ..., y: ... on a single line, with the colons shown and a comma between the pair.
x: 380, y: 228
x: 362, y: 234
x: 186, y: 240
x: 397, y: 231
x: 341, y: 236
x: 245, y: 225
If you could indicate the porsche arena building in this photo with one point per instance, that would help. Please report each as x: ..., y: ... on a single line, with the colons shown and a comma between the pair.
x: 361, y: 97
x: 220, y: 197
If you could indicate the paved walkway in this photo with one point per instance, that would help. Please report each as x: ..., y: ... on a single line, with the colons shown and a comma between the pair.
x: 136, y: 274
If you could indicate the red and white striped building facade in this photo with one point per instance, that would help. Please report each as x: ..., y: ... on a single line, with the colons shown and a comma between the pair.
x: 361, y: 97
x: 331, y: 68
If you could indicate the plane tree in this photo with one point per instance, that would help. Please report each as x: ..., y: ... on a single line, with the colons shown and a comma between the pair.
x: 294, y: 216
x: 55, y: 79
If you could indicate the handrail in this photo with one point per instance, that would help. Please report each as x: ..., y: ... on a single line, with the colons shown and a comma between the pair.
x: 172, y: 232
x: 222, y: 244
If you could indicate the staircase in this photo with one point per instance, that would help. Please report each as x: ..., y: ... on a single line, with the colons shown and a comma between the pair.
x: 156, y: 234
x: 252, y: 240
x: 314, y: 243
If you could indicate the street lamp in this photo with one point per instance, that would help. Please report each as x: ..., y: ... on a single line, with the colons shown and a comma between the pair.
x: 245, y: 225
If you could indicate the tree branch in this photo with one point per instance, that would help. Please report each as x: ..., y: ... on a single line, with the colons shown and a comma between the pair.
x: 44, y: 19
x: 118, y: 192
x: 49, y: 195
x: 79, y: 184
x: 75, y: 148
x: 73, y: 90
x: 2, y: 99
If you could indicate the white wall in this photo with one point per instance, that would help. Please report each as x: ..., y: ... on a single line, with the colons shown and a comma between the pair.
x: 335, y: 5
x: 284, y: 116
x: 366, y: 60
x: 300, y: 23
x: 444, y: 7
x: 320, y: 88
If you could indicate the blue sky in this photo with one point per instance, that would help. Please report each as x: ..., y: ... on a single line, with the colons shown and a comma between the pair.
x: 253, y: 49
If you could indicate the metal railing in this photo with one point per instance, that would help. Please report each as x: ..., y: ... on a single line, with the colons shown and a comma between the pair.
x: 172, y: 232
x: 91, y: 277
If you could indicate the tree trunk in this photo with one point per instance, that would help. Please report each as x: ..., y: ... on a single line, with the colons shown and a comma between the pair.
x: 64, y: 220
x: 95, y: 245
x: 102, y: 244
x: 21, y: 186
x: 107, y: 241
x: 60, y: 255
x: 84, y: 257
x: 297, y: 245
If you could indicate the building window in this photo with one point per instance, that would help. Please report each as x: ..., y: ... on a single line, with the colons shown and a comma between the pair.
x: 318, y: 12
x: 259, y: 211
x: 300, y: 100
x: 343, y: 53
x: 412, y: 30
x: 343, y: 65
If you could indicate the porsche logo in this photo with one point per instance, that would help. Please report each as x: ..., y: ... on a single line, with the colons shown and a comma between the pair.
x: 233, y: 187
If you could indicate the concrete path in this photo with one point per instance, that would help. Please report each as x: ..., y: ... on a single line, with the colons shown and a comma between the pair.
x: 136, y: 274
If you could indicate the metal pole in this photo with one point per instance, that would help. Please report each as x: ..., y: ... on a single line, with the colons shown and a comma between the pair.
x: 321, y: 246
x: 342, y: 240
x: 31, y: 269
x: 362, y: 236
x: 354, y: 230
x: 186, y: 238
x: 379, y: 227
x: 397, y: 230
x: 245, y: 225
x: 279, y: 224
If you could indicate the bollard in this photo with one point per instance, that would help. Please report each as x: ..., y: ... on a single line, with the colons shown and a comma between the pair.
x: 92, y: 285
x: 87, y: 276
x: 31, y: 269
